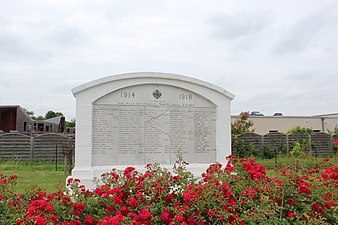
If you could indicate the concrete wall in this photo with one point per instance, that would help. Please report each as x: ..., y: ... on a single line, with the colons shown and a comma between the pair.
x: 46, y: 147
x: 23, y: 121
x: 264, y: 124
x: 47, y: 127
x: 320, y: 143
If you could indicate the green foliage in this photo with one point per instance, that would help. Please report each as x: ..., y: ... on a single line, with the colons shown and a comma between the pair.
x: 71, y: 123
x: 30, y: 113
x: 334, y: 131
x: 269, y: 152
x: 242, y: 124
x: 52, y: 114
x: 242, y: 150
x: 299, y: 129
x: 335, y: 146
x: 32, y: 173
x: 38, y: 118
x: 48, y: 115
x: 32, y: 165
x: 300, y: 148
x: 239, y: 192
x: 296, y: 150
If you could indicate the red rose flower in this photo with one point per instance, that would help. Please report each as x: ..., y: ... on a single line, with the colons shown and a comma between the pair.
x: 211, y: 213
x: 89, y: 220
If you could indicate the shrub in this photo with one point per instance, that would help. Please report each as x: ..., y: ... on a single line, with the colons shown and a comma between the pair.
x: 296, y: 150
x: 242, y: 125
x: 243, y: 150
x: 299, y: 129
x: 239, y: 192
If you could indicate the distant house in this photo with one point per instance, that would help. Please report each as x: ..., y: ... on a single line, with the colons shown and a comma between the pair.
x: 59, y: 121
x: 15, y: 119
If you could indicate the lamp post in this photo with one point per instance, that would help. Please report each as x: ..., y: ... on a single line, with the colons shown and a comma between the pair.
x: 323, y: 120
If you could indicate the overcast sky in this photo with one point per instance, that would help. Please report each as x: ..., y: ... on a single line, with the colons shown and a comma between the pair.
x: 275, y: 56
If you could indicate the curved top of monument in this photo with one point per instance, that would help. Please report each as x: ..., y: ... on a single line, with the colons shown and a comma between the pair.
x: 150, y: 75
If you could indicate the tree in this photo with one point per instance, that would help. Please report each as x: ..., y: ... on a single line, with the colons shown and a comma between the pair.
x: 242, y: 124
x: 38, y: 118
x: 30, y: 113
x: 71, y: 123
x: 49, y: 114
x: 52, y: 114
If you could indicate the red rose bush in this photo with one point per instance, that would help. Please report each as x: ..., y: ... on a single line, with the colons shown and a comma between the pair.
x: 239, y: 192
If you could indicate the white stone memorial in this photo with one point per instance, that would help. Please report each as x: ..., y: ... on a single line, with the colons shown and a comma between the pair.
x: 139, y: 118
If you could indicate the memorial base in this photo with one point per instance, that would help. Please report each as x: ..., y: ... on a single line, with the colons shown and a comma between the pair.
x: 87, y: 176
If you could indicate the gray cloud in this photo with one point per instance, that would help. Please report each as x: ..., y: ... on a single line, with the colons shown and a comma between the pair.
x: 275, y: 56
x: 3, y: 21
x: 234, y: 26
x: 307, y: 32
x: 16, y: 49
x: 10, y: 46
x: 66, y: 36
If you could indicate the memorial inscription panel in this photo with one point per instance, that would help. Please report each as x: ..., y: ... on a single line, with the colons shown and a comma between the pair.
x: 152, y: 123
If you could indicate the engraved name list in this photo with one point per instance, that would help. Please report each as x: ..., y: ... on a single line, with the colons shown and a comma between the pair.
x: 153, y: 123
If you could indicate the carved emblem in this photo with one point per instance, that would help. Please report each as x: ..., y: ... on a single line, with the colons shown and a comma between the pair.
x: 157, y: 94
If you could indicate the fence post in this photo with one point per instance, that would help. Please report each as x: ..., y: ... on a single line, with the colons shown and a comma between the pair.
x: 275, y: 156
x: 287, y: 144
x: 56, y: 157
x: 31, y: 146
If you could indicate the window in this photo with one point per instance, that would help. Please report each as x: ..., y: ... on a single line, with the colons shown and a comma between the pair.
x: 40, y: 127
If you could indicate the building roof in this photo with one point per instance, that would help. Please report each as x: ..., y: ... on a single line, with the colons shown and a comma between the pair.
x: 327, y: 115
x: 17, y: 107
x: 6, y: 107
x: 56, y: 120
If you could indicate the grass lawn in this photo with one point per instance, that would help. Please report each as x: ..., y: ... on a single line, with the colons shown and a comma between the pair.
x: 32, y: 173
x: 304, y: 161
x: 45, y: 176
